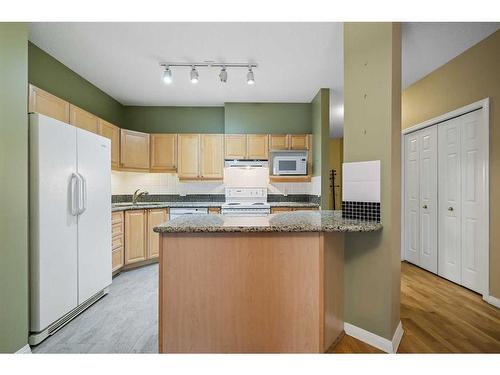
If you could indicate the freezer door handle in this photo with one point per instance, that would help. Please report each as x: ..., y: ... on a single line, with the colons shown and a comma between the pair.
x: 82, y: 195
x: 74, y: 186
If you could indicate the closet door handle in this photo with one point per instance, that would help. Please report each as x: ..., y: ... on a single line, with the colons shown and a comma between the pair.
x: 424, y: 206
x: 450, y: 208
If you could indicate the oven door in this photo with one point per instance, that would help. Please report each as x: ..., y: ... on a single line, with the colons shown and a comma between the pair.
x: 289, y: 165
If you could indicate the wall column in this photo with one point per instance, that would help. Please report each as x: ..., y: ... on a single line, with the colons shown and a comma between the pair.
x: 372, y: 131
x: 13, y: 186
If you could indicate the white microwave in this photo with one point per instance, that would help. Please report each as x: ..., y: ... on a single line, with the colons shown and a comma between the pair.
x: 290, y: 164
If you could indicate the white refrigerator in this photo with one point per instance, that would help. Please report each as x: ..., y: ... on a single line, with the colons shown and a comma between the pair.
x: 70, y: 222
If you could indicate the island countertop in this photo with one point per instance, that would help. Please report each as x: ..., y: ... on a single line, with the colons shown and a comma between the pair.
x: 296, y: 221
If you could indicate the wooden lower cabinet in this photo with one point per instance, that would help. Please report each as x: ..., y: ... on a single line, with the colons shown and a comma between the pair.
x: 117, y: 248
x: 133, y: 239
x: 155, y: 218
x: 135, y: 236
x: 276, y: 210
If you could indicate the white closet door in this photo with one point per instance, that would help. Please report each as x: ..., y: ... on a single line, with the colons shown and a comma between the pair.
x: 449, y: 200
x: 428, y: 198
x: 412, y: 232
x: 473, y: 200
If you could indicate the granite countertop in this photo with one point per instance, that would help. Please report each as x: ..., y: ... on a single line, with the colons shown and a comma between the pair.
x: 295, y: 221
x: 149, y: 205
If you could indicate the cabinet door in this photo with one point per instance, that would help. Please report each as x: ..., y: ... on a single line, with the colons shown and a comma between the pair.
x: 42, y: 102
x: 83, y: 119
x: 235, y: 146
x: 188, y: 156
x: 258, y: 146
x: 155, y: 218
x: 299, y: 141
x: 135, y: 236
x: 112, y: 132
x: 278, y: 141
x: 277, y: 210
x: 134, y: 152
x: 164, y: 152
x: 212, y: 156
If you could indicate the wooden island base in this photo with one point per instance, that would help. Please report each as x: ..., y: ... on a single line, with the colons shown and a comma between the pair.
x: 275, y: 292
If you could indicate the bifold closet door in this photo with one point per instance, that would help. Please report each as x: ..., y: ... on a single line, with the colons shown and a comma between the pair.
x: 412, y: 199
x: 462, y: 196
x: 428, y: 198
x: 421, y: 198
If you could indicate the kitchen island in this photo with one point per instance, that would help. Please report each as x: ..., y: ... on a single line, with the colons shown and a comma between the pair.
x: 239, y: 284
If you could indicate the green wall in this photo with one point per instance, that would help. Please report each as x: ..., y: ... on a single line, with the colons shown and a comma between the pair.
x: 320, y: 120
x: 13, y: 187
x: 372, y: 131
x: 174, y: 119
x: 47, y: 73
x: 288, y: 118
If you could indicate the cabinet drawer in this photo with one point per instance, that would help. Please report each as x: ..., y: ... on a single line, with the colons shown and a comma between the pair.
x: 117, y: 242
x: 117, y: 217
x: 116, y: 229
x: 117, y: 259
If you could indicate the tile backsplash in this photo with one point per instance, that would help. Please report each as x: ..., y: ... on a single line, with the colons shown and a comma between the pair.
x: 361, y: 190
x: 125, y: 183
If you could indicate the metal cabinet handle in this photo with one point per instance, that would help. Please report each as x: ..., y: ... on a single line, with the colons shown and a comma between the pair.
x: 450, y: 208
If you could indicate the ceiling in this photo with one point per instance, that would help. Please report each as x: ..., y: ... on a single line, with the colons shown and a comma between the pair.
x: 122, y: 59
x: 295, y: 59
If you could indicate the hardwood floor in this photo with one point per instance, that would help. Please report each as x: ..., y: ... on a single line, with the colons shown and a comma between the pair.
x: 438, y: 317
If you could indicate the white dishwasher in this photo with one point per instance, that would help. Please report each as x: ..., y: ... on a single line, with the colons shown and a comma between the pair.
x: 181, y: 211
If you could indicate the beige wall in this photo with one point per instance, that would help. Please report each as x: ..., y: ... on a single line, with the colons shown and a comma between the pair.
x: 336, y: 154
x: 471, y: 76
x: 372, y: 131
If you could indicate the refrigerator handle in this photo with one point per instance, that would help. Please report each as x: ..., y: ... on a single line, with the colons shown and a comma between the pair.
x: 74, y: 194
x: 83, y: 190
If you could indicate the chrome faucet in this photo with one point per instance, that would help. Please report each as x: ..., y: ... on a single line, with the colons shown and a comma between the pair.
x: 137, y: 194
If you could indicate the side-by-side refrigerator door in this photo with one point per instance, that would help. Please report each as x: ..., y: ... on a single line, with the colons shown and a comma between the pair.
x: 94, y: 221
x: 53, y: 221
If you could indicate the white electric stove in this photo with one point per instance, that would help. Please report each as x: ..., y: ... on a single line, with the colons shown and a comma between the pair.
x: 246, y: 201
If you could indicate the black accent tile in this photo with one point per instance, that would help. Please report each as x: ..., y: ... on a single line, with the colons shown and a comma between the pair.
x: 365, y: 211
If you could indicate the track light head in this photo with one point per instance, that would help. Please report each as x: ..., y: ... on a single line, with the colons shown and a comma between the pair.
x: 194, y: 75
x: 250, y: 77
x: 223, y: 75
x: 167, y: 76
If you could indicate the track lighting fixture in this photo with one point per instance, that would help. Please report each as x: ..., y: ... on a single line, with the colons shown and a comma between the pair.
x: 167, y: 76
x: 194, y: 76
x: 250, y: 77
x: 223, y: 74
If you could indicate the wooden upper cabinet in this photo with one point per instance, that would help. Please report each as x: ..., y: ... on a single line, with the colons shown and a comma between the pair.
x: 112, y: 132
x: 163, y: 152
x: 42, y: 102
x: 299, y: 141
x: 135, y: 236
x: 134, y: 149
x: 83, y: 119
x: 212, y: 156
x: 235, y: 146
x: 188, y: 156
x: 257, y: 146
x: 155, y: 218
x: 278, y: 142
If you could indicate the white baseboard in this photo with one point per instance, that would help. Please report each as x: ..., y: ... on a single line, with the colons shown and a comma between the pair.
x: 24, y: 350
x: 377, y: 341
x: 492, y: 300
